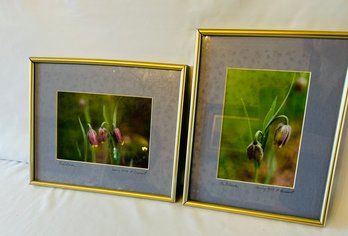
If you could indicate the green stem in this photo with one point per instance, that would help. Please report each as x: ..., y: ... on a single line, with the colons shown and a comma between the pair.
x: 102, y: 125
x: 256, y: 171
x: 105, y: 152
x: 94, y: 159
x: 257, y: 134
x: 272, y: 166
x: 277, y: 118
x: 118, y: 162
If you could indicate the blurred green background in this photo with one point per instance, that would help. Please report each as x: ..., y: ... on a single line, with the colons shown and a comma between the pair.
x: 133, y: 118
x: 258, y: 89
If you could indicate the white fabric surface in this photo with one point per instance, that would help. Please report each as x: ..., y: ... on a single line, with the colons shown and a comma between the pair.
x: 160, y: 31
x: 40, y: 211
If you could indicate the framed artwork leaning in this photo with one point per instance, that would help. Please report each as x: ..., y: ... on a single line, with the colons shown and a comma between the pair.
x: 106, y: 126
x: 266, y: 116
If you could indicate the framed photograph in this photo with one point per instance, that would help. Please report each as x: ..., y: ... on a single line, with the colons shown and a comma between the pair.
x: 106, y: 126
x: 266, y: 116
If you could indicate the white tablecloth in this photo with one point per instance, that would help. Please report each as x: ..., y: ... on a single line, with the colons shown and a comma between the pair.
x: 34, y: 211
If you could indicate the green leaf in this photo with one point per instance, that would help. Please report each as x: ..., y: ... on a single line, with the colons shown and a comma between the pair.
x: 264, y: 140
x: 247, y: 115
x: 270, y: 113
x: 283, y: 102
x: 84, y: 136
x: 105, y: 115
x: 86, y: 112
x: 114, y: 117
x: 78, y: 151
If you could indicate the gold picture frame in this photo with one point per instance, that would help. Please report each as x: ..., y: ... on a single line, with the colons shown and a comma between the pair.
x: 133, y: 93
x: 220, y: 53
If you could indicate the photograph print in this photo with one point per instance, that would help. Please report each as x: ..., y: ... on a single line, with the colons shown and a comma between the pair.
x: 262, y: 121
x: 104, y: 129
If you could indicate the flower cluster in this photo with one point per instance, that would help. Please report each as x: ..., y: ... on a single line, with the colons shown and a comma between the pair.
x: 274, y: 124
x: 282, y: 134
x: 95, y: 138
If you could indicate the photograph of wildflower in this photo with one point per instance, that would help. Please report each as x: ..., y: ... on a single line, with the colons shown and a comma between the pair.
x: 106, y: 129
x: 261, y: 127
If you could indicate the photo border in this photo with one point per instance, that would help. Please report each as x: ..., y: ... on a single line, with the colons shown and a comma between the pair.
x: 191, y: 126
x: 118, y: 63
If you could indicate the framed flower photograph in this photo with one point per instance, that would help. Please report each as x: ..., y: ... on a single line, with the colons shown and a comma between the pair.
x: 106, y: 126
x: 267, y: 112
x: 255, y: 123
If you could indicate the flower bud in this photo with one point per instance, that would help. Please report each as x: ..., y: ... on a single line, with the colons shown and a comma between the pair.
x: 282, y: 135
x: 255, y: 151
x: 82, y: 103
x: 92, y: 137
x: 102, y: 134
x: 300, y: 84
x: 118, y: 136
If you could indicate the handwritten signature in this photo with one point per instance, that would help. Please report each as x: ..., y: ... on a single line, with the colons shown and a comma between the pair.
x: 273, y: 189
x: 229, y: 184
x: 125, y: 171
x: 66, y: 164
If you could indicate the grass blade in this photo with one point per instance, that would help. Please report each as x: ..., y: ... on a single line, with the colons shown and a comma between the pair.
x: 78, y: 151
x: 283, y: 102
x: 247, y: 115
x: 270, y: 113
x: 105, y: 115
x: 114, y: 117
x: 84, y: 140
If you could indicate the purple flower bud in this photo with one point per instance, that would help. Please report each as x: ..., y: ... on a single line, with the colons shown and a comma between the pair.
x: 255, y: 151
x: 92, y: 137
x: 282, y: 135
x: 118, y: 135
x: 102, y: 134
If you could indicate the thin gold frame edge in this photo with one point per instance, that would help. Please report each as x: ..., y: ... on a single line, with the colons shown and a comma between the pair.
x: 183, y: 79
x: 31, y: 120
x: 108, y: 62
x: 255, y: 213
x: 192, y: 115
x: 274, y: 33
x: 102, y: 190
x: 136, y: 64
x: 336, y: 148
x: 194, y: 93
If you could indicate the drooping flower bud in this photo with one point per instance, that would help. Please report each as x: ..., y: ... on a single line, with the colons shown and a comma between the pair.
x: 92, y: 137
x: 102, y: 134
x: 118, y: 136
x: 255, y: 151
x: 282, y: 135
